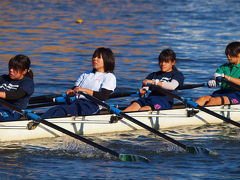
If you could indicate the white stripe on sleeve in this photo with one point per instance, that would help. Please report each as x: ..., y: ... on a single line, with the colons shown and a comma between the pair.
x: 170, y: 85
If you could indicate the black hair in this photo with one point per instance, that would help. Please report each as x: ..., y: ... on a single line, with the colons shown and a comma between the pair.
x: 233, y: 49
x: 167, y: 55
x: 108, y: 58
x: 21, y: 62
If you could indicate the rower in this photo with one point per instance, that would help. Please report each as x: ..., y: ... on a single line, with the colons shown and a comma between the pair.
x: 168, y: 78
x: 17, y: 86
x: 100, y: 82
x: 229, y: 71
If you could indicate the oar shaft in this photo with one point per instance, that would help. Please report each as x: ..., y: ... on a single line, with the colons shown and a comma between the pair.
x: 218, y: 116
x: 10, y: 106
x: 49, y: 98
x: 122, y: 94
x: 152, y: 130
x: 231, y: 84
x: 166, y: 92
x: 43, y: 105
x: 79, y: 137
x: 191, y: 86
x: 195, y: 105
x: 119, y: 112
x: 43, y: 99
x: 65, y: 131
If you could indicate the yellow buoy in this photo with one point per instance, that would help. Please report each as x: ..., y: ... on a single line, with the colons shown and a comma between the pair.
x: 80, y: 21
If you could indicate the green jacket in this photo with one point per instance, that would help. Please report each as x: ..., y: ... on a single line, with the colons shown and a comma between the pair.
x: 230, y: 70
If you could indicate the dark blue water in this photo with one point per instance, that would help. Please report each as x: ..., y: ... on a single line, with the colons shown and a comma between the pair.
x: 61, y: 49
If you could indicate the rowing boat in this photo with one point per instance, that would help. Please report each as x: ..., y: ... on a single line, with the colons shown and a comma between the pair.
x: 98, y: 124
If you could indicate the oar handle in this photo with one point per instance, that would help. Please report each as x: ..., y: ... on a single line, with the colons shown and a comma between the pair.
x: 124, y: 94
x: 50, y: 98
x: 43, y: 99
x: 43, y: 105
x: 191, y: 86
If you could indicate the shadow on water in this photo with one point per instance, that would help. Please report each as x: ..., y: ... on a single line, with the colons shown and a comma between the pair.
x: 64, y: 150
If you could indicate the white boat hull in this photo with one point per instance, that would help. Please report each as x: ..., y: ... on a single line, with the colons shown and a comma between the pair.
x: 98, y: 124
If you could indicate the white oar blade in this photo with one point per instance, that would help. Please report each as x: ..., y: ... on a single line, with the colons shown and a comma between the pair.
x: 132, y: 158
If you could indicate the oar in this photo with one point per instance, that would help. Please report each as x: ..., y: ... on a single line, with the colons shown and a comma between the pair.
x: 124, y: 94
x: 117, y: 111
x: 50, y: 98
x: 231, y: 83
x: 43, y: 99
x: 57, y: 99
x: 35, y: 117
x: 192, y: 86
x: 43, y: 105
x: 195, y: 105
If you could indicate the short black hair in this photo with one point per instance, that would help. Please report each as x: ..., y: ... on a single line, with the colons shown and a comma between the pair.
x: 108, y: 58
x: 21, y: 62
x: 167, y: 55
x: 233, y: 49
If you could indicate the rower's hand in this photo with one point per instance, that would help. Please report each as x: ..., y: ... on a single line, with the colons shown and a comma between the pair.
x: 85, y: 90
x: 146, y: 82
x: 77, y: 89
x: 218, y: 75
x: 218, y: 78
x: 212, y: 83
x: 70, y: 93
x: 142, y: 92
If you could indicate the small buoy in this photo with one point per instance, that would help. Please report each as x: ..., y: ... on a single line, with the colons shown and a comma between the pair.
x: 80, y: 21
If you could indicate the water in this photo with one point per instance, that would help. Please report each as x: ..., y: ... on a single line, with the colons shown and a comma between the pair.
x: 61, y: 49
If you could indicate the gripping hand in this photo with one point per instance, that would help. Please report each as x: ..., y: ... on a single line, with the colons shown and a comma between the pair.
x: 212, y: 83
x: 218, y: 77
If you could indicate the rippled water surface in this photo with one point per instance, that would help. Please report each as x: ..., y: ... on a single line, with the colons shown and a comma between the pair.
x: 136, y: 30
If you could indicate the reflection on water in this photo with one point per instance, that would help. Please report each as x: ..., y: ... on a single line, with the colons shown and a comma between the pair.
x: 137, y: 31
x: 61, y: 49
